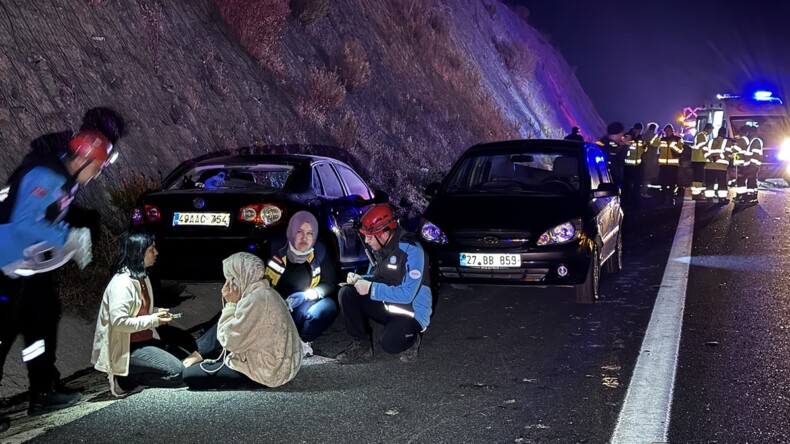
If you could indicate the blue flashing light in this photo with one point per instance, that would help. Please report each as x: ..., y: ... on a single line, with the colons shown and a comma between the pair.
x: 762, y: 95
x: 252, y: 247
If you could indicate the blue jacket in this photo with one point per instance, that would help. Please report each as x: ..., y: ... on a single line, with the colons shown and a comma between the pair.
x: 400, y: 277
x: 34, y: 210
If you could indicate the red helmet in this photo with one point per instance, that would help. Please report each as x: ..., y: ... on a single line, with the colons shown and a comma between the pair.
x: 377, y: 219
x: 91, y: 145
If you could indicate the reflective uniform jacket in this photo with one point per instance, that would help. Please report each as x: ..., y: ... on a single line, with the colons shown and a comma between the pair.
x: 317, y: 272
x: 717, y: 153
x: 669, y: 150
x: 698, y: 148
x: 754, y: 154
x: 400, y: 278
x: 635, y: 151
x: 740, y: 150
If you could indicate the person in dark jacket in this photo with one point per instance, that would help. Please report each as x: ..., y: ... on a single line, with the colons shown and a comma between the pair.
x: 38, y: 235
x: 612, y: 145
x: 574, y: 135
x: 396, y: 291
x: 304, y: 273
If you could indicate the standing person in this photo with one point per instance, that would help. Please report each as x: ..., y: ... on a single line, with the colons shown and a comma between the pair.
x: 36, y: 238
x: 612, y: 144
x: 304, y: 273
x: 261, y: 345
x: 574, y: 135
x: 699, y: 161
x: 632, y: 171
x: 717, y: 154
x: 396, y: 291
x: 752, y: 159
x: 131, y: 344
x: 652, y: 140
x: 669, y: 152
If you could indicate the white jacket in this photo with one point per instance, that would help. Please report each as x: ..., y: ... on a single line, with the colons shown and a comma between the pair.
x: 117, y: 321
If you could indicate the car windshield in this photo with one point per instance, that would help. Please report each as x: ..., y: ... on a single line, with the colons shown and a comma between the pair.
x: 773, y: 129
x: 224, y: 177
x: 533, y: 171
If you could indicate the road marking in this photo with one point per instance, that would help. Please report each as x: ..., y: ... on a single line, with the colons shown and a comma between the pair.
x: 645, y: 414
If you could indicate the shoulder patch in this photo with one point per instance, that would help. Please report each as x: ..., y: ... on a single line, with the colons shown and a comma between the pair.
x: 393, y: 260
x: 415, y: 274
x: 39, y: 192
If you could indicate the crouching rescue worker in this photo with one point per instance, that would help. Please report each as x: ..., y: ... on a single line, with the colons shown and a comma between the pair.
x: 396, y: 292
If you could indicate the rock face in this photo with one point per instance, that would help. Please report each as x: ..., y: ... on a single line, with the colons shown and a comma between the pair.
x: 401, y: 86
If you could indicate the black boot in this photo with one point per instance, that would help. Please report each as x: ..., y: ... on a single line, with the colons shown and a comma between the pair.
x: 357, y: 352
x: 5, y: 423
x: 50, y: 400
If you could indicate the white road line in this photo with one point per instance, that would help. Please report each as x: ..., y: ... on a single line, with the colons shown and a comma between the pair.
x: 644, y: 417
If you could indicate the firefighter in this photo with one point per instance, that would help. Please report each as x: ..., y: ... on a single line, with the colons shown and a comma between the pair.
x: 752, y: 158
x: 632, y: 170
x: 698, y: 161
x: 669, y: 152
x: 717, y: 154
x: 650, y: 158
x: 612, y: 144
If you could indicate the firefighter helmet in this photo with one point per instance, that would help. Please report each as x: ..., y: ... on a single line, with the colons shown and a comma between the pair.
x: 377, y: 219
x: 91, y: 145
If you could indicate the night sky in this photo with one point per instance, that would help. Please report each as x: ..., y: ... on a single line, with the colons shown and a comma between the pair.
x: 645, y: 61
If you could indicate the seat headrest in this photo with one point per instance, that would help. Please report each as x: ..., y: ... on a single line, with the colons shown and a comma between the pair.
x: 566, y: 166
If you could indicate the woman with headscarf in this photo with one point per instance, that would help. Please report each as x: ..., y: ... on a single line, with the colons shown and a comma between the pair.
x: 304, y: 273
x: 260, y: 343
x: 133, y: 343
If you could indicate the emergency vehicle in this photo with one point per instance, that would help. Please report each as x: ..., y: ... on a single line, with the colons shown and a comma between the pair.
x: 762, y: 110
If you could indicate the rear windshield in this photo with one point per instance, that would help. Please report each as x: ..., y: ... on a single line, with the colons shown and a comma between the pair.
x: 223, y: 177
x: 538, y: 171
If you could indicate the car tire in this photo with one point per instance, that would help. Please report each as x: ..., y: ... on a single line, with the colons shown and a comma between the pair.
x: 615, y: 262
x: 587, y: 291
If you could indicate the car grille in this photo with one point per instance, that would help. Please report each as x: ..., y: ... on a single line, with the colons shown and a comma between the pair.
x: 511, y: 274
x: 491, y: 239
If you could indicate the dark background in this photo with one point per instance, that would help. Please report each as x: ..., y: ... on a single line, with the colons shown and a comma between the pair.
x: 646, y: 61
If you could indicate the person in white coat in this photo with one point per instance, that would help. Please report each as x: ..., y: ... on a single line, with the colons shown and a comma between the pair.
x: 261, y: 345
x: 131, y: 343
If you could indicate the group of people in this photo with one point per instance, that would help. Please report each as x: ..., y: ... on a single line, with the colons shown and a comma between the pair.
x: 273, y: 307
x: 655, y: 159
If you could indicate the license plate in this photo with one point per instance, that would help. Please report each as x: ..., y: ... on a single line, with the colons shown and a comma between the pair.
x: 490, y: 260
x: 202, y: 219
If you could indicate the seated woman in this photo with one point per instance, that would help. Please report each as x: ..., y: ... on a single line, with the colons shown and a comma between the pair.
x: 127, y: 344
x: 260, y: 343
x: 304, y: 273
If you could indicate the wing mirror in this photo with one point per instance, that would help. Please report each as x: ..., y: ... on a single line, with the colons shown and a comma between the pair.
x: 607, y: 190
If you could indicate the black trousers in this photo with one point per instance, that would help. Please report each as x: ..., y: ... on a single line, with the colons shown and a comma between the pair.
x: 400, y: 330
x: 31, y: 307
x: 632, y: 184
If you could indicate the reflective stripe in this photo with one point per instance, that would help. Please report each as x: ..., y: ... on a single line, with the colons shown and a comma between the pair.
x: 669, y: 161
x: 276, y: 267
x: 316, y: 271
x: 398, y: 310
x: 633, y: 162
x: 35, y: 350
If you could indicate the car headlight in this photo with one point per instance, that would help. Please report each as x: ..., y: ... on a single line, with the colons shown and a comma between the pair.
x: 784, y: 151
x: 431, y: 233
x: 562, y: 233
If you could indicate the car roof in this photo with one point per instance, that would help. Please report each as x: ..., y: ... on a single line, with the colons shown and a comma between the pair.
x: 264, y: 158
x: 529, y: 143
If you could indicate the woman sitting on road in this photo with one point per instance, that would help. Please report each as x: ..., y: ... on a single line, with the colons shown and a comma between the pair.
x: 260, y: 342
x: 304, y: 273
x: 133, y: 343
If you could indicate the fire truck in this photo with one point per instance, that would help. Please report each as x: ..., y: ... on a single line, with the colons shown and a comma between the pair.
x: 761, y: 109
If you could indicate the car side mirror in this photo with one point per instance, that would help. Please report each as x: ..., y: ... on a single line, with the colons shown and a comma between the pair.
x: 432, y: 189
x: 606, y: 190
x: 380, y: 196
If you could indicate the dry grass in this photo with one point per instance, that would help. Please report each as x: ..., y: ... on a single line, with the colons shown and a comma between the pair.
x: 259, y: 25
x: 325, y: 92
x: 308, y: 11
x: 152, y: 18
x: 354, y: 67
x: 346, y: 133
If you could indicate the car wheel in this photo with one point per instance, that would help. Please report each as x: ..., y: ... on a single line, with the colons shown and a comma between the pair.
x: 615, y: 262
x: 587, y: 292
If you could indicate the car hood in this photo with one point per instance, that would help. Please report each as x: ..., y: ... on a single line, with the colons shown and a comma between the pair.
x: 506, y: 212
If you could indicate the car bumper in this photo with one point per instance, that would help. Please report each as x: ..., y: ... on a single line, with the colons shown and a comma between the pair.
x: 539, y: 266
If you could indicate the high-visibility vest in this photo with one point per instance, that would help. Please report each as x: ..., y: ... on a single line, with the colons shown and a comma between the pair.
x: 635, y: 151
x: 669, y: 151
x: 755, y: 150
x: 717, y: 152
x: 740, y: 150
x: 698, y: 149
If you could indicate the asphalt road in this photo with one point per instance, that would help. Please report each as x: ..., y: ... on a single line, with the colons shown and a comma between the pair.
x: 516, y: 366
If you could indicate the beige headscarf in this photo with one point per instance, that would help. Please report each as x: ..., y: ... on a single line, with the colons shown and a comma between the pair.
x: 246, y: 270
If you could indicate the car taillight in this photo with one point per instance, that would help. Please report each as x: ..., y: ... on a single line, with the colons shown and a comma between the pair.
x: 266, y: 214
x: 152, y: 214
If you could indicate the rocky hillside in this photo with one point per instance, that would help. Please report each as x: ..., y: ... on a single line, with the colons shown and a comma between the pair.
x: 401, y: 84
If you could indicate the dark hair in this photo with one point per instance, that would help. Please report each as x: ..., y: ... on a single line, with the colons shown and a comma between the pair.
x: 105, y: 121
x: 131, y: 254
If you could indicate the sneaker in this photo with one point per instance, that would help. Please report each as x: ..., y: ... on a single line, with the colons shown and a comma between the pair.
x: 357, y: 352
x: 56, y: 399
x: 5, y: 424
x: 410, y: 354
x: 307, y: 349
